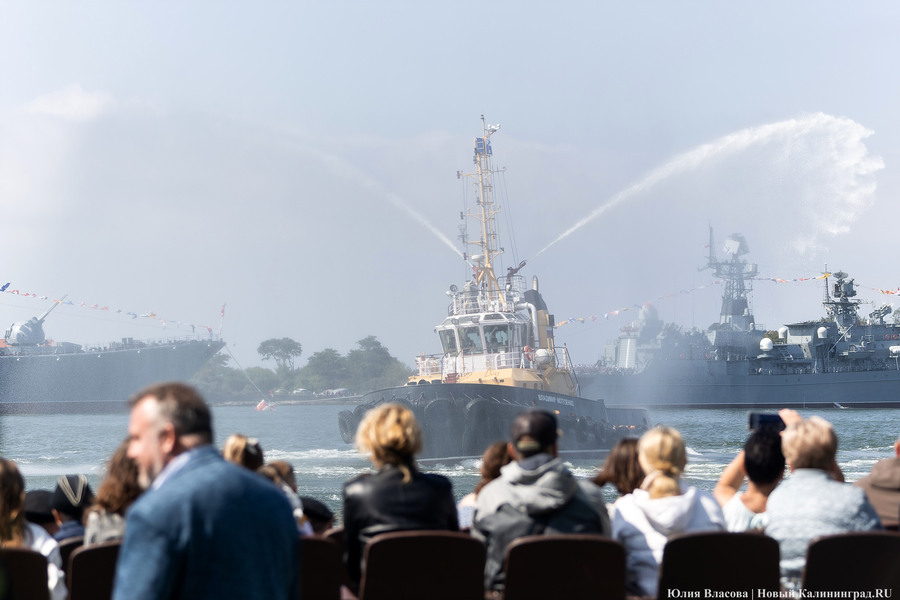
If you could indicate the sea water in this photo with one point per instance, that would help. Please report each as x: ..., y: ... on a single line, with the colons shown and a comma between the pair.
x: 47, y: 446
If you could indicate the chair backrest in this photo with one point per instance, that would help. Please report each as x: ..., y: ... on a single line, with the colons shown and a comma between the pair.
x: 859, y: 560
x: 67, y: 546
x: 336, y: 535
x: 407, y: 565
x: 27, y: 573
x: 321, y: 567
x: 564, y: 566
x: 719, y: 561
x: 92, y: 570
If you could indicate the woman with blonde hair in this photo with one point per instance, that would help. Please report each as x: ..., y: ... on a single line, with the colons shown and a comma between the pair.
x: 243, y: 451
x: 663, y: 506
x: 398, y: 497
x: 15, y: 531
x: 814, y: 501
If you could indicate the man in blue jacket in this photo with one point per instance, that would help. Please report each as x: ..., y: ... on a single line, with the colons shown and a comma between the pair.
x: 204, y: 528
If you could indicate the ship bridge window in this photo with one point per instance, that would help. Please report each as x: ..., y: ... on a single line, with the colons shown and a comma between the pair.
x: 470, y: 338
x: 496, y: 337
x: 448, y: 341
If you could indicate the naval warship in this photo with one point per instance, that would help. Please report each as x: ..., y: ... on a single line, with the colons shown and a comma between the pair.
x: 38, y: 375
x: 498, y: 357
x: 840, y: 359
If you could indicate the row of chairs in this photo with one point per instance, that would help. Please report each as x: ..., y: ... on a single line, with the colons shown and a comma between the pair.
x: 89, y: 570
x: 442, y: 564
x: 417, y: 564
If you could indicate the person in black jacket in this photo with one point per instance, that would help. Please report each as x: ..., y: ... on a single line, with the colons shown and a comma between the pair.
x: 398, y: 497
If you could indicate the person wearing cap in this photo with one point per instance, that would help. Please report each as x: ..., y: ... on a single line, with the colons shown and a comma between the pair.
x: 320, y: 516
x: 535, y: 494
x: 38, y: 511
x: 71, y: 496
x: 204, y: 528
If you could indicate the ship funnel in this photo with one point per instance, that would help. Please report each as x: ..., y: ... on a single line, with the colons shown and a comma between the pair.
x: 534, y: 284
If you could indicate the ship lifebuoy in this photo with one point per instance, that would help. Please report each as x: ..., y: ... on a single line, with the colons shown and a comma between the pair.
x: 681, y: 356
x: 707, y: 357
x: 896, y: 336
x: 887, y: 336
x: 529, y: 355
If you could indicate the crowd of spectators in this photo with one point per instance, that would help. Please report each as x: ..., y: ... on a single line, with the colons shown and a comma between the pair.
x: 199, y: 523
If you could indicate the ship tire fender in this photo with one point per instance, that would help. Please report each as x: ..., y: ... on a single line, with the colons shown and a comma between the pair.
x: 347, y: 423
x: 600, y: 433
x: 581, y: 429
x: 402, y: 402
x: 482, y: 426
x: 360, y: 411
x: 443, y: 428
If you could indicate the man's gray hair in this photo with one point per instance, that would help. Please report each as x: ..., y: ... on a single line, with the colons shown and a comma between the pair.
x: 182, y: 406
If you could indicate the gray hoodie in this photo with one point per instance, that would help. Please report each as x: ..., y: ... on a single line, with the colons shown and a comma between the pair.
x: 535, y: 496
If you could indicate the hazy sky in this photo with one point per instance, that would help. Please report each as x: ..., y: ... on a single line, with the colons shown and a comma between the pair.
x: 170, y: 158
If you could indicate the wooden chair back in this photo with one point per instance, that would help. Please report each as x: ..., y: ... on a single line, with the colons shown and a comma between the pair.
x: 859, y: 560
x: 719, y: 561
x: 564, y: 566
x: 321, y: 567
x: 91, y: 571
x: 336, y: 535
x: 67, y: 546
x: 27, y: 573
x: 410, y: 565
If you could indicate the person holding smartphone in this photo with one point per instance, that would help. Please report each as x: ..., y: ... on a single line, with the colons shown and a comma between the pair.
x: 762, y: 463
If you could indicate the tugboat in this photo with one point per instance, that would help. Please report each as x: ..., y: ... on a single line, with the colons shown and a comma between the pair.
x: 841, y: 359
x: 499, y: 357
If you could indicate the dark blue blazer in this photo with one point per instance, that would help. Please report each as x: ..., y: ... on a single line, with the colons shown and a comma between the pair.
x: 212, y: 530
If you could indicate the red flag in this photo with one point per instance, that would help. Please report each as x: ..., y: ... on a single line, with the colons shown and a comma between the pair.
x: 223, y: 310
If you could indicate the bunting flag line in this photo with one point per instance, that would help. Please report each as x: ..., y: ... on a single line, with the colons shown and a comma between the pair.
x: 97, y: 306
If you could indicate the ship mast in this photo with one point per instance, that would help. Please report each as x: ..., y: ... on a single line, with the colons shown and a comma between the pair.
x: 488, y: 249
x: 735, y: 306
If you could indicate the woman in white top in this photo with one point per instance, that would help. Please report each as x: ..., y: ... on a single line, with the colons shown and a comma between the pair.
x: 15, y: 531
x: 663, y: 506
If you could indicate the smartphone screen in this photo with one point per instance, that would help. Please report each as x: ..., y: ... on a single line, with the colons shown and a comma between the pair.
x: 759, y: 420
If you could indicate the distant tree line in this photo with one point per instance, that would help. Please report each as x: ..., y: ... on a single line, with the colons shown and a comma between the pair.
x: 368, y: 367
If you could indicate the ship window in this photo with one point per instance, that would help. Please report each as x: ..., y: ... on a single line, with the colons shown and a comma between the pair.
x: 496, y: 337
x: 448, y: 341
x: 470, y: 338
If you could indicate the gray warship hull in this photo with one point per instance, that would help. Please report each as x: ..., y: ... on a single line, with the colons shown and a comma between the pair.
x: 94, y: 381
x: 720, y: 384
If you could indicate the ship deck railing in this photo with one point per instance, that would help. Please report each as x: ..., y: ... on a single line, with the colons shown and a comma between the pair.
x: 433, y: 365
x: 469, y: 361
x: 482, y: 301
x: 126, y: 344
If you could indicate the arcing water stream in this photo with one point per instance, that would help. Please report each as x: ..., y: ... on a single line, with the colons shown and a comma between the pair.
x: 832, y: 146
